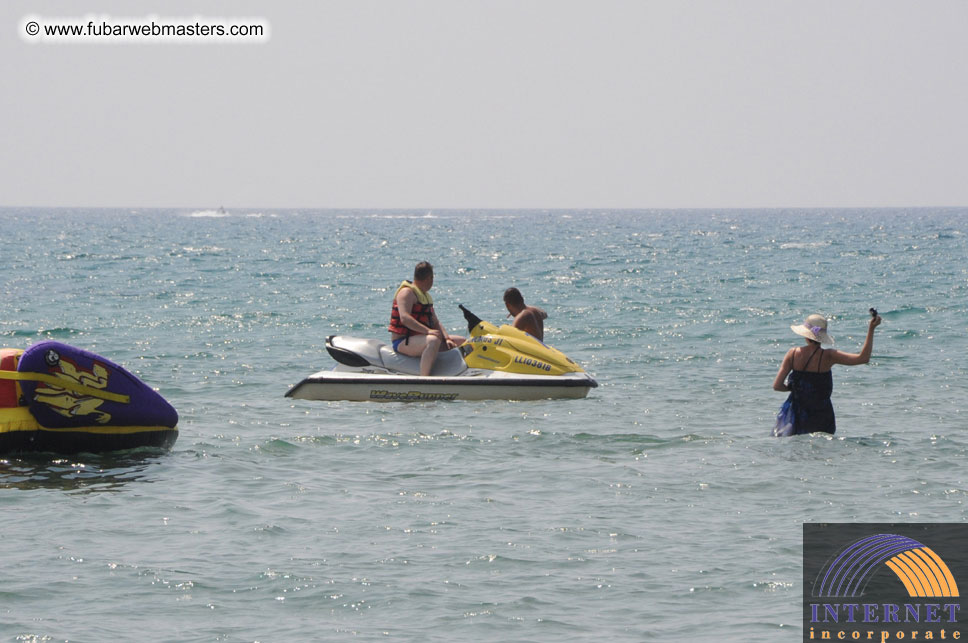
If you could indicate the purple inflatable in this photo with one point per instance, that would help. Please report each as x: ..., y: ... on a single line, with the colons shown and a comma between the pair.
x: 83, y: 402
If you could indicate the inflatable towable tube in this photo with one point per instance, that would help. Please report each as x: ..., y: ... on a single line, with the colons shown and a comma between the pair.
x: 54, y: 397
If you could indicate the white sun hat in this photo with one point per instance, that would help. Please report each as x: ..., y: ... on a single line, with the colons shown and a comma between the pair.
x: 814, y: 327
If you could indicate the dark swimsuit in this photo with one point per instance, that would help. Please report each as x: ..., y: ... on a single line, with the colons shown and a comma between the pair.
x: 810, y: 393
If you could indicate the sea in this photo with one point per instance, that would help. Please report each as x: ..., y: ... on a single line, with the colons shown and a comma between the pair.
x: 659, y: 508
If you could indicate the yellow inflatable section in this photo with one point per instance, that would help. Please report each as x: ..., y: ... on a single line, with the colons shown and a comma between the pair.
x: 16, y: 419
x: 514, y: 351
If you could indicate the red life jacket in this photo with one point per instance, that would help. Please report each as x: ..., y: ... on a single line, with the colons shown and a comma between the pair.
x: 422, y: 311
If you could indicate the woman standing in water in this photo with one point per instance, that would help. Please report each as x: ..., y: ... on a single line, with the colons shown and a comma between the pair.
x: 808, y: 408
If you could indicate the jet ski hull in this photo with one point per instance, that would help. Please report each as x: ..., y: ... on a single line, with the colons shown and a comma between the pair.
x: 473, y: 385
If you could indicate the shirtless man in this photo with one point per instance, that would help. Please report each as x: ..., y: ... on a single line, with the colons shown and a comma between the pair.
x: 530, y: 319
x: 414, y: 327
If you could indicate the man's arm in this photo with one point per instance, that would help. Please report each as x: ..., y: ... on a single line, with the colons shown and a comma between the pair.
x: 405, y: 301
x: 439, y: 328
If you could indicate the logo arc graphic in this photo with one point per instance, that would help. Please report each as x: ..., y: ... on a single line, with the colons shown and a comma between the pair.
x: 920, y: 570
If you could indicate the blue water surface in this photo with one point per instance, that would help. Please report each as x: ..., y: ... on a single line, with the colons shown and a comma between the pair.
x: 659, y: 508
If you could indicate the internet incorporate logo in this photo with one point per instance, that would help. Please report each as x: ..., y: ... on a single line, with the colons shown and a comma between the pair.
x: 879, y: 583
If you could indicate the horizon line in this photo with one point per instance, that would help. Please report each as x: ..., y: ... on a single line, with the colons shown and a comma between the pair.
x: 486, y: 208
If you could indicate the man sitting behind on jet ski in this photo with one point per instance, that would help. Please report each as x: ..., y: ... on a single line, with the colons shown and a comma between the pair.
x: 414, y: 327
x: 530, y: 319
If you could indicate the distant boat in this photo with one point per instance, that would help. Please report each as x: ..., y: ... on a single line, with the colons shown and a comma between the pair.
x: 221, y: 212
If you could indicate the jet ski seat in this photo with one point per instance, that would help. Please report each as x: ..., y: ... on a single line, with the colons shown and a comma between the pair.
x: 448, y: 363
x: 358, y: 353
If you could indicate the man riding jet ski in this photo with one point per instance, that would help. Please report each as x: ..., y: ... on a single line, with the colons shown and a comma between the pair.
x: 414, y: 327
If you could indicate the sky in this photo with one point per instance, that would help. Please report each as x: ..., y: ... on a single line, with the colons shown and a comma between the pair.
x: 493, y: 104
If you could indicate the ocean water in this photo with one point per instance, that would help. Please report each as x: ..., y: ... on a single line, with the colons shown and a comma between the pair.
x: 659, y: 508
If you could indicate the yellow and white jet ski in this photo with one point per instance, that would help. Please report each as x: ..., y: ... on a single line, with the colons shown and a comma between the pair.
x: 494, y: 364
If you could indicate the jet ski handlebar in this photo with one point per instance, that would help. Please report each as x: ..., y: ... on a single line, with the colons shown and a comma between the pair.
x: 472, y: 319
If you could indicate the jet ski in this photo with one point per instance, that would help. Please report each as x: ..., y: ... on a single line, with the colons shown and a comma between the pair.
x: 496, y: 363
